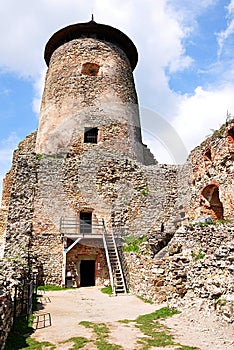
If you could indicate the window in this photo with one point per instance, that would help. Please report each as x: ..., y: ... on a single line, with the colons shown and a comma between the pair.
x: 91, y: 69
x: 85, y: 222
x: 90, y: 135
x: 207, y: 154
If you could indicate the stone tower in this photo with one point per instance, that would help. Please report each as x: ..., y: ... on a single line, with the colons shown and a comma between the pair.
x: 89, y: 94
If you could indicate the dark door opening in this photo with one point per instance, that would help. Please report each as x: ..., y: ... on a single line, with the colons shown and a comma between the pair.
x: 87, y: 273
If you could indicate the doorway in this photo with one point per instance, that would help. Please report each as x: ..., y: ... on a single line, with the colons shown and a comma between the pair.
x: 87, y: 273
x: 85, y: 222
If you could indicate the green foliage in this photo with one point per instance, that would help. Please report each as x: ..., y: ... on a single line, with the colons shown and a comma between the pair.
x: 86, y: 324
x: 107, y: 290
x: 223, y: 222
x: 78, y: 342
x: 204, y: 224
x: 143, y: 191
x: 19, y: 338
x: 198, y: 255
x: 145, y: 300
x: 38, y: 156
x: 157, y: 335
x: 132, y: 244
x: 50, y: 288
x: 220, y: 302
x: 102, y: 333
x: 185, y: 347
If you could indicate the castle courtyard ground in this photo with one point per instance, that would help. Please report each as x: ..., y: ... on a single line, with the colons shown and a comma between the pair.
x: 69, y: 307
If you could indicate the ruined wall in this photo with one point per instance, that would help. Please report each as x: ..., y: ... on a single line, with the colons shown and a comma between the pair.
x: 212, y: 181
x: 198, y: 262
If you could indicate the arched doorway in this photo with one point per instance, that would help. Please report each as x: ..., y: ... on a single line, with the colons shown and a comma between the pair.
x: 211, y: 194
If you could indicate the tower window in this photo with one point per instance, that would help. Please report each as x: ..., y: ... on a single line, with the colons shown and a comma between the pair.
x: 90, y: 135
x: 91, y: 69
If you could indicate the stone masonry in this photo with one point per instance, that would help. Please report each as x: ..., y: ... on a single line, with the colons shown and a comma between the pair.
x: 87, y: 157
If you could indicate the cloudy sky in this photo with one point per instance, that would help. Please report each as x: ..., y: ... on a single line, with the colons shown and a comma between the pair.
x: 184, y: 76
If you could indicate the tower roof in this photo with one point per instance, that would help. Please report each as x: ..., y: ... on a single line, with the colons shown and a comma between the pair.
x: 92, y: 29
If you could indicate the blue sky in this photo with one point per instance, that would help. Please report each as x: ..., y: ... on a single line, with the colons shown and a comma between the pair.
x: 184, y: 74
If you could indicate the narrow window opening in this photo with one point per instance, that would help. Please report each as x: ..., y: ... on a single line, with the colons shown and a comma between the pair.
x: 85, y: 222
x: 207, y: 154
x: 90, y: 135
x: 91, y: 69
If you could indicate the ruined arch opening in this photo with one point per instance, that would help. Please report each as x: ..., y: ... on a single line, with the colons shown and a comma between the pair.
x: 230, y: 134
x: 91, y: 69
x: 214, y: 206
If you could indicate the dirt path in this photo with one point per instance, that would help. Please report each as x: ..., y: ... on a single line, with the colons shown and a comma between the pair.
x: 69, y: 307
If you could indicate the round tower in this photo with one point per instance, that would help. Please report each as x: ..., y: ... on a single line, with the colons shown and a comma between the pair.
x: 89, y: 95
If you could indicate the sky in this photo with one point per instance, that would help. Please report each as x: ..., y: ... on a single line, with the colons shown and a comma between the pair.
x: 184, y: 77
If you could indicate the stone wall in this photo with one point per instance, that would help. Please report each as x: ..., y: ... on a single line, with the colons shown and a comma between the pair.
x: 212, y: 181
x: 5, y: 315
x: 197, y: 263
x: 85, y: 252
x: 74, y: 99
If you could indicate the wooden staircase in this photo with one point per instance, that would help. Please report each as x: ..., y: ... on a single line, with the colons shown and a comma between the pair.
x: 114, y: 264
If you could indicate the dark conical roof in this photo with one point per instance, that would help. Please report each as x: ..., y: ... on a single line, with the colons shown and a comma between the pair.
x: 92, y: 29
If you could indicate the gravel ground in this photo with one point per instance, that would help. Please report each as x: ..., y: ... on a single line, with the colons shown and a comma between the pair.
x: 69, y: 307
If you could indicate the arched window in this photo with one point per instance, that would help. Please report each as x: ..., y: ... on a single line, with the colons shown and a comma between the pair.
x: 211, y: 194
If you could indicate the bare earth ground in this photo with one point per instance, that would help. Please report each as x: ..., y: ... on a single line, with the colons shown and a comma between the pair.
x: 69, y: 307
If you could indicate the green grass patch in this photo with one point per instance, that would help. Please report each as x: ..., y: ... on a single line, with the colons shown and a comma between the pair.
x: 102, y: 333
x: 50, y: 287
x: 103, y: 345
x: 157, y: 334
x: 145, y: 300
x: 198, y: 255
x: 125, y: 321
x: 185, y: 347
x: 107, y: 290
x: 132, y: 244
x: 86, y: 324
x: 78, y: 342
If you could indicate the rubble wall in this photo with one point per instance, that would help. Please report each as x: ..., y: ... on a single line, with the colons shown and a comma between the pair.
x: 197, y: 263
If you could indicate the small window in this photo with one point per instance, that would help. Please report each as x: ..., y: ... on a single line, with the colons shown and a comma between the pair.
x: 91, y: 69
x: 207, y: 154
x: 90, y: 135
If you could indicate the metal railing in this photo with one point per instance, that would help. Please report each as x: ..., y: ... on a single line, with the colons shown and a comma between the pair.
x: 73, y: 226
x: 76, y: 227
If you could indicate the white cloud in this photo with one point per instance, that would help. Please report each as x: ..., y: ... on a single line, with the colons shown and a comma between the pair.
x: 203, y: 111
x: 224, y: 35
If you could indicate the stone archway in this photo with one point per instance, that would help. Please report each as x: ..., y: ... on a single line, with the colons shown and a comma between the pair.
x: 214, y: 207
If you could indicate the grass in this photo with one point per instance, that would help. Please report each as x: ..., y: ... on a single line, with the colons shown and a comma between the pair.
x: 102, y: 333
x: 19, y: 338
x: 78, y: 342
x: 49, y: 287
x: 132, y: 244
x: 198, y: 255
x: 147, y: 301
x: 107, y: 290
x: 154, y: 335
